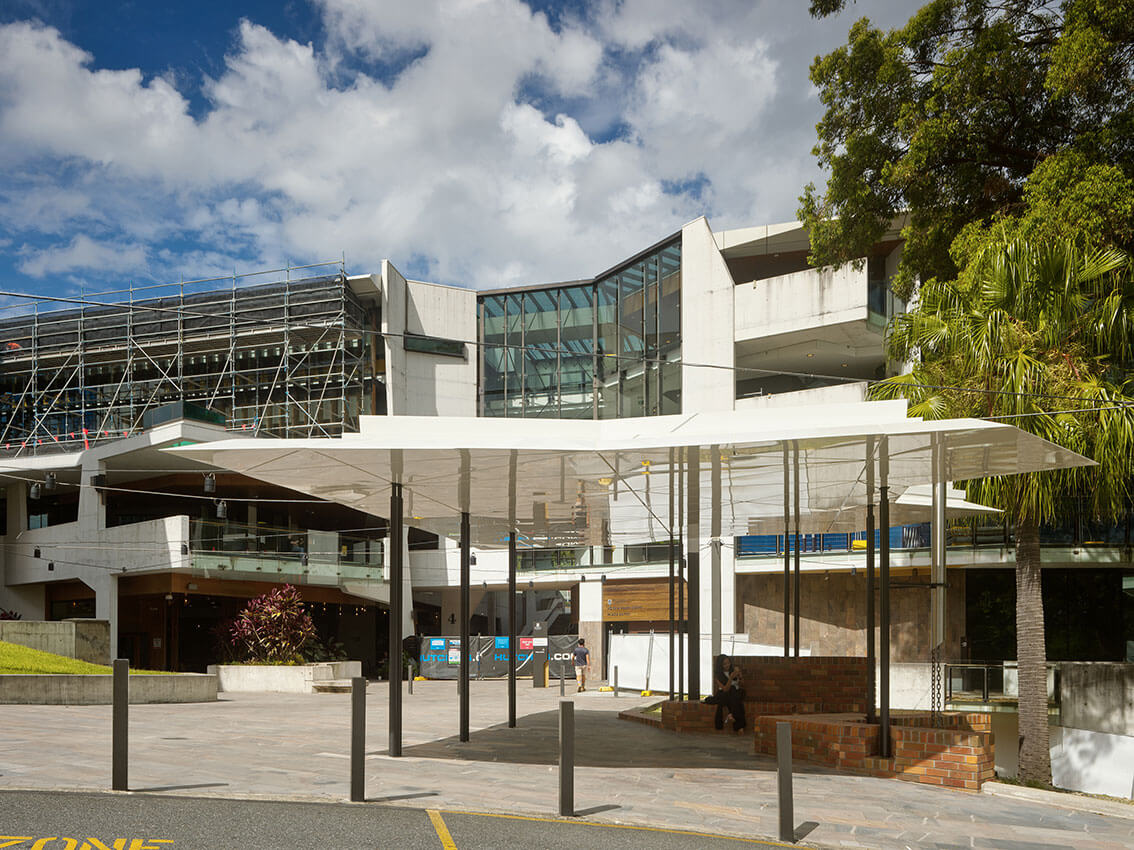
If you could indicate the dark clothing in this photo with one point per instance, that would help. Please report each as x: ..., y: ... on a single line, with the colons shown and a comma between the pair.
x: 582, y: 654
x: 727, y: 696
x: 732, y: 700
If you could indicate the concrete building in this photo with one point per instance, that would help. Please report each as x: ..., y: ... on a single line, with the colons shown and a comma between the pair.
x: 99, y: 522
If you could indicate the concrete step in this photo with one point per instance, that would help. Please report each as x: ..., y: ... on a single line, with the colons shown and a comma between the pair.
x: 331, y: 686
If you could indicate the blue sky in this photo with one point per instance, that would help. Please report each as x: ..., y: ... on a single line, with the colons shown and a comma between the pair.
x: 476, y: 142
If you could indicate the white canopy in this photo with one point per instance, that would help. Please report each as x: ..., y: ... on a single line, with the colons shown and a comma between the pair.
x: 563, y: 479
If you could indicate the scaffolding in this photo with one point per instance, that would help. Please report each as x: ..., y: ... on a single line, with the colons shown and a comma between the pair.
x: 291, y: 352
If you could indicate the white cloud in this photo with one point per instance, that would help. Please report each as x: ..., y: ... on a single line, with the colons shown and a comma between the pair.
x: 83, y: 253
x: 306, y: 151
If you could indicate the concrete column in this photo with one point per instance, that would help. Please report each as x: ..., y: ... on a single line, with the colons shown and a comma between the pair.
x: 92, y: 512
x: 17, y: 508
x: 106, y: 604
x: 591, y: 623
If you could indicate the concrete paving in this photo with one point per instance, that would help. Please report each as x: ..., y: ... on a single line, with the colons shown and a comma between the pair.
x: 285, y: 746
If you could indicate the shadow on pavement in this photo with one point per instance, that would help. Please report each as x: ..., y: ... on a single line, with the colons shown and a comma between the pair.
x: 601, y: 740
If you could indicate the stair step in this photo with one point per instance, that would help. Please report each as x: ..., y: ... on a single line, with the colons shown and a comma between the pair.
x: 332, y: 686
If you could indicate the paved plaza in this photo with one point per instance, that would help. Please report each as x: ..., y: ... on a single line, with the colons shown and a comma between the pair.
x: 295, y: 747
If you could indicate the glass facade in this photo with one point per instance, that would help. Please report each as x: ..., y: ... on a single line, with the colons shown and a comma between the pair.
x: 605, y: 349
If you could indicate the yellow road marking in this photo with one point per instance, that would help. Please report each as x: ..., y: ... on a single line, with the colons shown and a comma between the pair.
x: 442, y: 830
x: 763, y: 841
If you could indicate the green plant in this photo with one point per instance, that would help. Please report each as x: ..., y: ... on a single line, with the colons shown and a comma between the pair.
x: 325, y: 649
x: 272, y: 629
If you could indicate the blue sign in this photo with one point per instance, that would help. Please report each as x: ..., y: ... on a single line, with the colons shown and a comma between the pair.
x: 502, y: 643
x: 437, y: 643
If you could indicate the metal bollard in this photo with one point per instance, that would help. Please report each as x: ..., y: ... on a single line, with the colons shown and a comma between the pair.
x: 410, y: 677
x: 615, y: 688
x: 120, y: 725
x: 562, y: 681
x: 358, y: 740
x: 783, y: 771
x: 566, y: 758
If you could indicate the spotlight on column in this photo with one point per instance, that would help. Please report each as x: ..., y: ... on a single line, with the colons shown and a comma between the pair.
x: 210, y: 483
x: 472, y: 559
x: 222, y: 509
x: 35, y: 491
x: 184, y: 548
x: 51, y: 566
x: 49, y: 482
x: 35, y: 552
x: 303, y: 559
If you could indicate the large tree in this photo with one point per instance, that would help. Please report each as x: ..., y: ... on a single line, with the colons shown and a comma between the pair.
x: 972, y: 112
x: 1001, y: 135
x: 1031, y: 334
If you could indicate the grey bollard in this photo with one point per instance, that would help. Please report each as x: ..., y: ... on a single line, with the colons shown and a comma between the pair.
x: 358, y: 740
x: 120, y: 725
x: 566, y: 758
x: 783, y: 771
x: 562, y: 681
x: 615, y: 688
x: 410, y: 677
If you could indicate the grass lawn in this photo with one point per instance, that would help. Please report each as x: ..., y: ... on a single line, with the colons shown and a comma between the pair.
x: 20, y: 659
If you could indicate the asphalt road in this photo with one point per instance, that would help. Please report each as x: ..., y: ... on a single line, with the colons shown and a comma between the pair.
x: 46, y: 820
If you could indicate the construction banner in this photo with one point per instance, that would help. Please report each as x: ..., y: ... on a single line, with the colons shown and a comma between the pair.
x: 488, y: 656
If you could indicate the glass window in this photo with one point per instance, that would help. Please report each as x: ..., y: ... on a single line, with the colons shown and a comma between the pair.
x: 604, y: 350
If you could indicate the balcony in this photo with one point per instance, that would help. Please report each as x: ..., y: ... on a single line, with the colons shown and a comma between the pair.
x: 302, y: 556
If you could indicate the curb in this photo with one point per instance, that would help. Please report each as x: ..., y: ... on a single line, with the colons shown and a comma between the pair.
x: 1066, y: 800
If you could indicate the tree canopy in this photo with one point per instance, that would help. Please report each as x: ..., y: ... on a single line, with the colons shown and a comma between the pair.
x: 1015, y: 115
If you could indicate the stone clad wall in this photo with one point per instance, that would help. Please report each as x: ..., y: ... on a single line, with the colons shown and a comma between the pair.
x: 833, y: 613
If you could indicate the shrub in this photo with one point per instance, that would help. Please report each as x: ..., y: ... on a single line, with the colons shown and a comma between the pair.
x: 272, y: 629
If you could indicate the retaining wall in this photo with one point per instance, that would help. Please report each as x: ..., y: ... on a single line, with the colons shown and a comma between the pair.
x: 274, y: 678
x: 96, y: 689
x: 86, y: 640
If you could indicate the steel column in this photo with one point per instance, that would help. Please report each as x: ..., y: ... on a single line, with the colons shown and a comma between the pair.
x: 871, y: 617
x: 464, y: 669
x: 787, y: 555
x: 672, y: 589
x: 795, y: 583
x: 395, y: 631
x: 715, y: 542
x: 693, y: 522
x: 884, y: 599
x: 512, y: 590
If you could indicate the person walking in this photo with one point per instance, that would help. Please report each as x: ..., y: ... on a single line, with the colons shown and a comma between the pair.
x: 582, y: 657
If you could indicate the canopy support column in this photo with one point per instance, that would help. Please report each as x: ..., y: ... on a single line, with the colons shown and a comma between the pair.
x: 512, y: 591
x: 395, y: 630
x: 871, y: 617
x: 672, y: 589
x: 884, y: 600
x: 465, y: 581
x: 693, y: 521
x: 715, y: 542
x: 795, y: 584
x: 682, y: 609
x: 937, y: 582
x: 787, y: 555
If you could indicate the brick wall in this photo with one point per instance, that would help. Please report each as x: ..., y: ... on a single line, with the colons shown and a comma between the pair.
x: 775, y: 685
x: 804, y: 685
x: 959, y: 756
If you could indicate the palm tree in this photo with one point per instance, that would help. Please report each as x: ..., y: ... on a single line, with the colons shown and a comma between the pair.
x: 1038, y: 335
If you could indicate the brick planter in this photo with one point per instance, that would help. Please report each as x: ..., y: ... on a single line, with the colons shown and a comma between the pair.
x: 958, y: 756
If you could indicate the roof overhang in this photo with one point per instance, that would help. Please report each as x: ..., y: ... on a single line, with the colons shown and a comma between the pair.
x: 555, y: 477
